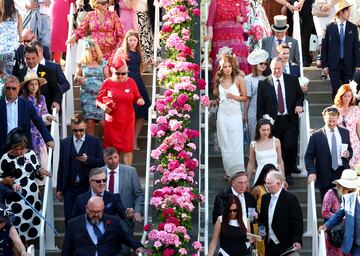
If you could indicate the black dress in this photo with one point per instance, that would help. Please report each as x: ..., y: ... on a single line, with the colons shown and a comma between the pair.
x: 5, y: 241
x: 233, y: 242
x: 134, y: 72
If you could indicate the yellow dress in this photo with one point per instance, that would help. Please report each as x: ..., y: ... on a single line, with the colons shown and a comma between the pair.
x: 258, y: 192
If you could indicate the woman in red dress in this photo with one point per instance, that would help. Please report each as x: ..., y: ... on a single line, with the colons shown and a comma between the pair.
x: 116, y: 98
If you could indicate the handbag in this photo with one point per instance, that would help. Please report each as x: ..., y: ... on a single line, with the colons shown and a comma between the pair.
x: 79, y: 17
x: 336, y: 235
x: 316, y: 10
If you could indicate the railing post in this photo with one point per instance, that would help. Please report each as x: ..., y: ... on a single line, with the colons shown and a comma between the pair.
x: 322, y: 244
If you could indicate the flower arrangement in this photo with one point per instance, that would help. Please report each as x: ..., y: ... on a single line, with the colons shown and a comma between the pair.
x: 174, y: 196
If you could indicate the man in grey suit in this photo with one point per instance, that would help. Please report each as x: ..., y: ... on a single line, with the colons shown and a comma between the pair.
x: 123, y: 179
x: 270, y: 43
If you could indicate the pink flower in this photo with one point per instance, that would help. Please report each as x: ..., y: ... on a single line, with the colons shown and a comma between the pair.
x: 168, y: 212
x: 169, y: 252
x: 196, y: 245
x: 205, y: 100
x: 157, y: 244
x: 183, y: 251
x: 201, y: 84
x: 147, y: 227
x: 196, y: 12
x: 173, y: 164
x: 166, y: 29
x: 182, y: 98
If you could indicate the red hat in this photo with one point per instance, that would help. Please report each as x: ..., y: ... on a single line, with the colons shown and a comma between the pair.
x: 118, y: 60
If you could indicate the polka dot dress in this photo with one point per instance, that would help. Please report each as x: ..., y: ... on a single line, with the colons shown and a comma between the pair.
x: 26, y: 222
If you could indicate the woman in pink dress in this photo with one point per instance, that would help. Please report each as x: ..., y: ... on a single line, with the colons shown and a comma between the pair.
x: 128, y: 16
x: 103, y: 25
x: 224, y: 26
x: 349, y: 119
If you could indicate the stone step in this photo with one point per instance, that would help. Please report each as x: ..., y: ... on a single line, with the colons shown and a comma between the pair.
x: 316, y: 109
x: 319, y: 97
x: 313, y: 73
x: 316, y: 122
x: 319, y: 86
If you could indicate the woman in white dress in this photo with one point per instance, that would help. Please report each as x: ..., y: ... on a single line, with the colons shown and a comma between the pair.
x: 230, y: 90
x: 257, y: 59
x: 265, y: 149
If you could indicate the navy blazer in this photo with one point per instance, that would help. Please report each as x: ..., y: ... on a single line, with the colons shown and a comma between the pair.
x: 318, y: 156
x: 112, y: 202
x: 60, y: 77
x: 77, y: 241
x: 20, y: 61
x: 287, y: 222
x: 91, y: 146
x: 294, y: 70
x: 330, y: 49
x: 26, y: 114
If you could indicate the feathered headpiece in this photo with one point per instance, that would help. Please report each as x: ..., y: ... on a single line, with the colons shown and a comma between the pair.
x: 222, y: 52
x: 89, y: 42
x: 118, y: 60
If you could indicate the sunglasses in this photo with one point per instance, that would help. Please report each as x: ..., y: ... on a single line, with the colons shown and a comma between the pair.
x: 263, y: 63
x: 233, y: 210
x: 8, y: 88
x: 120, y: 73
x: 78, y: 130
x: 103, y: 2
x: 99, y: 181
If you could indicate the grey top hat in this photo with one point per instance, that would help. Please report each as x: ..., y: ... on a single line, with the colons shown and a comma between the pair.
x: 280, y: 23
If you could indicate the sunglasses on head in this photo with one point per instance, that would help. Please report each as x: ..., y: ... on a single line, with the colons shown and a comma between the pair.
x: 233, y: 210
x: 120, y: 73
x: 99, y: 181
x: 8, y: 88
x: 78, y: 130
x: 103, y: 2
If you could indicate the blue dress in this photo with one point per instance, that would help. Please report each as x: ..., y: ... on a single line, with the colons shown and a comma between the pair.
x: 134, y: 72
x: 94, y: 77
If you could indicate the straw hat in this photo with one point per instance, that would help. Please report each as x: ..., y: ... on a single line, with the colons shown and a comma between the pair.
x: 342, y: 5
x: 257, y: 56
x: 280, y: 23
x: 348, y: 179
x: 32, y: 76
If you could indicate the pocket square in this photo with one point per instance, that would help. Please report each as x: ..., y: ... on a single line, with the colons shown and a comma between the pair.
x: 108, y: 205
x: 350, y: 32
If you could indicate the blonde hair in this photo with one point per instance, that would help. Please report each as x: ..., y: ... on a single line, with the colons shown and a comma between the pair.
x: 125, y: 45
x: 219, y: 74
x: 86, y: 57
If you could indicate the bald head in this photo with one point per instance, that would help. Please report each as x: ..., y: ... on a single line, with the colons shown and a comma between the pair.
x: 95, y: 208
x: 27, y: 36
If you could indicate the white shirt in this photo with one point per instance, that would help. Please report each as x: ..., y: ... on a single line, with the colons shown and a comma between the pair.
x: 272, y: 206
x: 34, y: 69
x: 11, y: 114
x: 42, y: 62
x: 338, y: 142
x: 281, y: 79
x: 338, y: 22
x: 287, y: 68
x: 116, y: 179
x: 78, y: 142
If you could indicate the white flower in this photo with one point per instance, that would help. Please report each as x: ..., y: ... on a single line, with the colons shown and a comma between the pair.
x: 223, y: 51
x: 266, y: 116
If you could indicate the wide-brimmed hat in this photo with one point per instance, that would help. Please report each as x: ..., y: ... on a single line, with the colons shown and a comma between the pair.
x: 257, y: 56
x: 33, y: 76
x: 348, y: 179
x: 342, y: 5
x: 280, y: 24
x: 6, y: 215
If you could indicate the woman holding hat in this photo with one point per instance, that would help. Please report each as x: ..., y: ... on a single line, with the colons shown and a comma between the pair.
x: 31, y: 91
x: 332, y: 200
x: 257, y: 60
x: 27, y: 168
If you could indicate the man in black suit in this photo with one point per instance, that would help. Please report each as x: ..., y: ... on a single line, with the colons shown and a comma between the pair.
x: 281, y: 215
x: 18, y: 112
x: 51, y: 89
x: 113, y: 203
x: 60, y: 77
x: 340, y: 55
x: 239, y: 183
x: 280, y: 96
x: 327, y: 155
x: 96, y: 233
x: 79, y: 153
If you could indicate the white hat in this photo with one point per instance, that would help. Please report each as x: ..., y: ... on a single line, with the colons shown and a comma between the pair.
x: 257, y: 56
x: 348, y: 179
x: 280, y: 23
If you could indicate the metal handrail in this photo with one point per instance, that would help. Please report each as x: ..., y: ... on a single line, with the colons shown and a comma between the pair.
x: 322, y: 243
x: 304, y: 135
x: 31, y: 250
x: 311, y: 229
x: 47, y: 242
x: 151, y: 110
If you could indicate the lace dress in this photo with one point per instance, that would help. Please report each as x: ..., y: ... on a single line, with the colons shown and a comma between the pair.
x: 230, y: 131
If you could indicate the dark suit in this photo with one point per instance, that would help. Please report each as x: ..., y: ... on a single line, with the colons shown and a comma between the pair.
x: 26, y: 114
x: 51, y: 89
x: 286, y: 127
x: 112, y: 202
x: 221, y: 200
x: 318, y: 159
x: 69, y: 167
x: 287, y: 222
x: 294, y: 70
x: 20, y: 61
x: 60, y: 77
x: 77, y: 241
x: 340, y: 70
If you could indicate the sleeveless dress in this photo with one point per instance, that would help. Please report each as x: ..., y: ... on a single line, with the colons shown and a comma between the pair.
x: 233, y: 242
x: 94, y: 77
x: 264, y: 157
x: 5, y: 241
x: 230, y: 131
x: 134, y: 72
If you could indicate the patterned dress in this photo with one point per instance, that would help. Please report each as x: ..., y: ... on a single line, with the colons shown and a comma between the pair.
x: 228, y: 32
x: 351, y: 121
x: 9, y: 41
x: 109, y: 33
x: 94, y: 77
x: 128, y: 17
x: 145, y: 30
x: 26, y: 221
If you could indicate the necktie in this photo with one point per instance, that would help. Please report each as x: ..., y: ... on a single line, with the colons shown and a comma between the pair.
x: 279, y: 41
x: 334, y: 157
x: 111, y: 182
x: 280, y: 98
x: 342, y: 39
x: 97, y: 231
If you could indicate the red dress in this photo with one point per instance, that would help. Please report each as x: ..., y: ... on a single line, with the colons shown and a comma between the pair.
x: 119, y: 123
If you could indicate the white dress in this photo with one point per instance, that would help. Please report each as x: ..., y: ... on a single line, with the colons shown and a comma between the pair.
x: 230, y: 131
x: 264, y: 157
